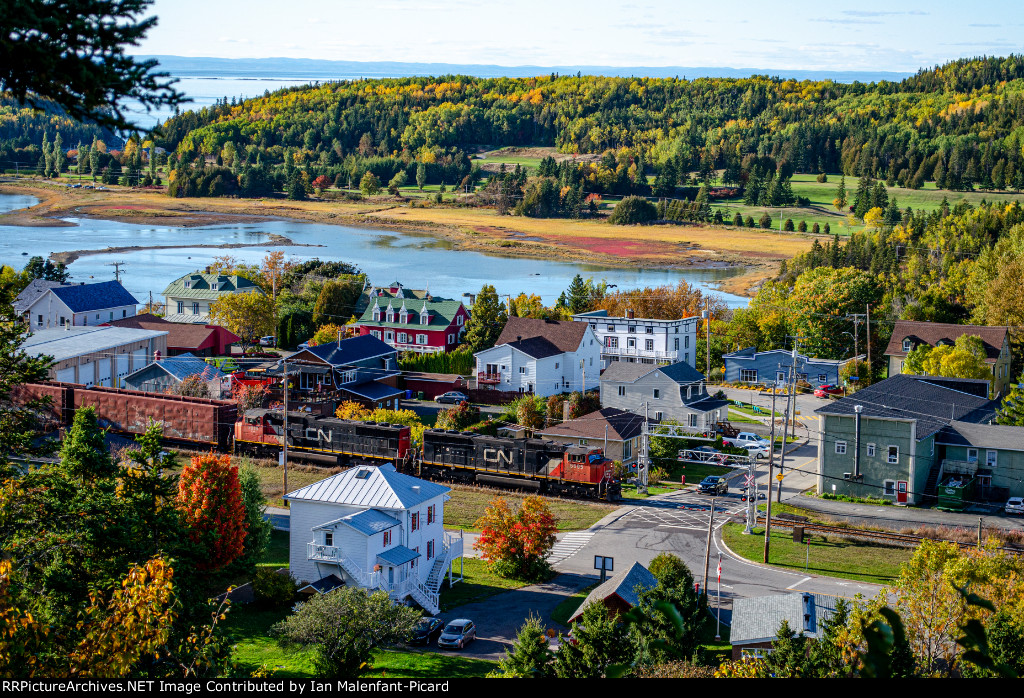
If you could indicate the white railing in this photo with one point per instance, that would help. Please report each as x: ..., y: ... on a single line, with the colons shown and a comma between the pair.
x: 637, y: 352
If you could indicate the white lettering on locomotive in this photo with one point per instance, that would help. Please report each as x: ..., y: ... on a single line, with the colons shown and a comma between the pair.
x: 494, y: 455
x: 321, y: 436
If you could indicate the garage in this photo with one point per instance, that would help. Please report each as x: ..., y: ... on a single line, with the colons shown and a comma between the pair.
x: 105, y: 377
x: 87, y: 373
x: 66, y: 375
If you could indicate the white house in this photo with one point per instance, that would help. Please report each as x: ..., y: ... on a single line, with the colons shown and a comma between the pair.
x: 543, y: 357
x: 643, y: 340
x: 46, y: 304
x: 374, y: 528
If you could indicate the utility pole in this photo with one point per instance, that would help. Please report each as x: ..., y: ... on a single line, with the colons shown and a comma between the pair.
x: 867, y: 315
x: 117, y: 269
x: 771, y: 474
x: 856, y: 317
x: 284, y: 435
x: 707, y: 316
x: 707, y: 550
x: 790, y: 399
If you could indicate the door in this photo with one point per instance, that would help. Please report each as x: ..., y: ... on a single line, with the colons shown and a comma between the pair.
x: 391, y: 575
x: 901, y: 492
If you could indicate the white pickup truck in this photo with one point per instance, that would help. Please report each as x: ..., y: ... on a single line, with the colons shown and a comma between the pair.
x: 745, y: 439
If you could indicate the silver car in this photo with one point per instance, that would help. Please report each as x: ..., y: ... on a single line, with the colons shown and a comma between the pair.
x: 457, y: 634
x: 1015, y: 505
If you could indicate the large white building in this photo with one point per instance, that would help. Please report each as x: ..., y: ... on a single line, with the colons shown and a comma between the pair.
x: 48, y: 304
x: 643, y: 340
x: 374, y: 528
x: 543, y: 357
x: 102, y: 356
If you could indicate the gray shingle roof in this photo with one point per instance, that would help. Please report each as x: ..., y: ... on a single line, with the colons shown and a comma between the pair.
x: 349, y: 351
x: 381, y: 488
x: 621, y: 425
x: 625, y: 372
x: 624, y: 585
x: 758, y: 619
x: 31, y: 293
x: 86, y: 297
x: 997, y: 436
x: 933, y: 402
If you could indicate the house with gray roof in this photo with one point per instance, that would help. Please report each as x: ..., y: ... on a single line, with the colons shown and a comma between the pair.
x: 752, y: 366
x: 188, y: 299
x: 908, y: 335
x: 413, y: 320
x: 991, y: 454
x: 375, y: 528
x: 756, y: 621
x: 621, y: 592
x: 47, y: 304
x: 543, y: 357
x: 616, y: 432
x: 886, y: 440
x: 676, y: 392
x: 165, y: 374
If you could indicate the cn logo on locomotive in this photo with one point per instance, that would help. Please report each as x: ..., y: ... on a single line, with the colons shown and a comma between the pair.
x: 494, y: 455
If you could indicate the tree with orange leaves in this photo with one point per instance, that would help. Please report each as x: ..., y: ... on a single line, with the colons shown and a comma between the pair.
x: 210, y: 499
x: 516, y: 543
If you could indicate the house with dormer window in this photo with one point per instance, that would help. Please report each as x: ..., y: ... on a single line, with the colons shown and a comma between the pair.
x: 374, y: 528
x: 413, y: 320
x: 908, y: 335
x: 188, y: 299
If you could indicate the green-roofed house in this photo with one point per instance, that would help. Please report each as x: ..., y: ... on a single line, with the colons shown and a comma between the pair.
x: 188, y: 299
x: 413, y: 320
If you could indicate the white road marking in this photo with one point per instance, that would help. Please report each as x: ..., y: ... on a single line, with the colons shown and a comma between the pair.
x: 794, y: 584
x: 570, y: 544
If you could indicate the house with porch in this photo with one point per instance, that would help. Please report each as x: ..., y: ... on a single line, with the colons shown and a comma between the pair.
x: 991, y: 454
x: 676, y: 392
x: 908, y: 335
x: 413, y: 320
x: 615, y: 431
x: 643, y: 340
x: 543, y: 357
x: 890, y: 439
x: 188, y: 299
x: 374, y: 528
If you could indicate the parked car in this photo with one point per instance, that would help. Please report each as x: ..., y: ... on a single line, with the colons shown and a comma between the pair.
x: 304, y: 345
x: 827, y: 391
x: 1015, y: 505
x: 427, y: 630
x: 745, y: 439
x: 269, y: 341
x: 457, y: 634
x: 713, y: 484
x: 759, y: 451
x: 453, y: 397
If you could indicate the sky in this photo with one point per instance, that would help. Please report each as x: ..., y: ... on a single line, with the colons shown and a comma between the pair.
x: 870, y: 35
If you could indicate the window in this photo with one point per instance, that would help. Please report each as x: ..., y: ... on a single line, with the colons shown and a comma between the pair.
x: 556, y: 364
x: 124, y: 313
x: 458, y: 321
x: 894, y: 455
x: 376, y: 314
x: 871, y: 450
x: 677, y: 344
x: 972, y: 455
x: 402, y: 337
x: 692, y: 419
x: 686, y: 358
x: 583, y: 442
x: 649, y: 345
x: 631, y: 329
x: 328, y: 538
x: 907, y: 345
x: 649, y: 330
x: 841, y: 447
x: 611, y: 342
x: 389, y: 336
x: 421, y: 339
x: 747, y: 375
x: 376, y: 333
x: 40, y: 321
x: 430, y: 549
x: 188, y: 283
x: 195, y: 308
x: 658, y: 416
x: 522, y: 370
x: 111, y: 314
x: 622, y: 391
x: 686, y: 342
x: 631, y: 343
x: 451, y: 339
x: 822, y: 378
x: 889, y: 488
x: 430, y: 514
x: 181, y: 306
x: 689, y: 392
x: 627, y: 449
x: 415, y: 520
x: 387, y: 538
x: 991, y: 458
x: 657, y: 393
x: 213, y: 286
x: 62, y: 320
x: 611, y: 328
x: 780, y: 376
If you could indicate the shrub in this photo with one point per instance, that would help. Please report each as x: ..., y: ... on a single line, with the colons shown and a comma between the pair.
x: 633, y: 210
x: 765, y: 221
x: 788, y: 225
x: 802, y: 226
x: 458, y: 417
x: 273, y: 589
x: 822, y: 178
x: 816, y: 228
x: 517, y: 543
x: 750, y: 221
x: 827, y: 230
x: 210, y: 499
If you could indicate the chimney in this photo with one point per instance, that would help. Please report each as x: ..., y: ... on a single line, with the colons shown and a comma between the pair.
x: 156, y: 355
x: 207, y: 270
x: 629, y: 314
x: 519, y: 337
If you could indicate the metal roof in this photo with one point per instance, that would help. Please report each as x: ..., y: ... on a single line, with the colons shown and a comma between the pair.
x: 372, y: 390
x: 368, y: 522
x: 381, y: 487
x: 200, y: 282
x: 70, y: 342
x: 758, y: 619
x: 183, y: 366
x: 86, y: 297
x: 398, y: 555
x: 324, y: 584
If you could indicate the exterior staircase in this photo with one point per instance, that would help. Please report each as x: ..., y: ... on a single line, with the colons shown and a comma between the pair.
x: 931, y: 485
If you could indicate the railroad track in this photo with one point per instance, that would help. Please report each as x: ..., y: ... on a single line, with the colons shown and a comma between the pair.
x: 886, y: 537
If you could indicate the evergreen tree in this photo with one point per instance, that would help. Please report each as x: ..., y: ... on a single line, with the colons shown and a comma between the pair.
x: 788, y: 658
x: 529, y: 656
x: 487, y: 320
x: 421, y: 175
x: 577, y: 296
x: 1011, y: 412
x: 598, y: 640
x: 840, y: 200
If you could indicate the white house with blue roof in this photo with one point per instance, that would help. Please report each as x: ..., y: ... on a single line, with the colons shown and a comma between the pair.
x: 375, y: 528
x: 76, y: 305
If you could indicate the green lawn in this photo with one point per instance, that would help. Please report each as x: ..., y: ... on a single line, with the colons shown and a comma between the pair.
x: 276, y: 556
x: 467, y: 505
x: 740, y: 417
x: 420, y: 664
x: 829, y: 556
x: 479, y: 583
x: 565, y: 610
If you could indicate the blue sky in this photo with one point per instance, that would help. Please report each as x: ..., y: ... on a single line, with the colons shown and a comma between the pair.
x: 870, y: 35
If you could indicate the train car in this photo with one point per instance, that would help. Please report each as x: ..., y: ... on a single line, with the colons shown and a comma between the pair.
x: 60, y: 407
x: 532, y: 464
x: 261, y: 432
x: 190, y: 420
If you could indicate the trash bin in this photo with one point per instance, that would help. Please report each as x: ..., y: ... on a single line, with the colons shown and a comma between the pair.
x: 420, y: 395
x: 408, y: 395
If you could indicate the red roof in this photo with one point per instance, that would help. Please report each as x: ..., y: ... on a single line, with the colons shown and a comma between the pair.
x: 933, y: 333
x: 181, y: 335
x: 565, y: 335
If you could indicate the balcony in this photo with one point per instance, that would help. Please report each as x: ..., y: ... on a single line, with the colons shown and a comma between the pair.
x: 488, y: 378
x: 634, y: 352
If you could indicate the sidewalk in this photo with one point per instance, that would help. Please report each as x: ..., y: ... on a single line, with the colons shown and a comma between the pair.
x: 897, y: 517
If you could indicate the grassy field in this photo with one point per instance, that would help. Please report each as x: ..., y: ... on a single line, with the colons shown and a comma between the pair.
x: 467, y: 505
x: 832, y: 557
x: 479, y: 582
x: 821, y: 210
x: 276, y: 556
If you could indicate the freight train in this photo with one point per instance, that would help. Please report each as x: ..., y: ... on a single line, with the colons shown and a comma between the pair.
x: 542, y: 466
x: 535, y: 464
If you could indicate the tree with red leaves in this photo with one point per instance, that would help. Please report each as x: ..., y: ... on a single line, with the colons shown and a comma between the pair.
x: 516, y: 544
x: 210, y: 499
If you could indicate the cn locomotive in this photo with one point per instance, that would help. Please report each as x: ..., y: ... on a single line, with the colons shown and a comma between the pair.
x: 542, y: 466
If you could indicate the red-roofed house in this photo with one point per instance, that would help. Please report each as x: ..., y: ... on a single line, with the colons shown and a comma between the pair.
x: 182, y: 338
x: 906, y: 335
